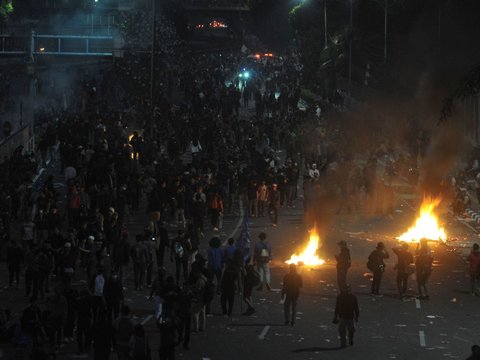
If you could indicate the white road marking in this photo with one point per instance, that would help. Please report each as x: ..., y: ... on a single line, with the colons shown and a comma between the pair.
x: 147, y: 319
x: 417, y: 304
x: 239, y: 223
x: 205, y: 358
x: 264, y: 332
x: 421, y: 335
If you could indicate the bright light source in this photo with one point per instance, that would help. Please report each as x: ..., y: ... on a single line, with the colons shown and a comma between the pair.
x: 240, y: 75
x: 246, y: 74
x: 42, y: 49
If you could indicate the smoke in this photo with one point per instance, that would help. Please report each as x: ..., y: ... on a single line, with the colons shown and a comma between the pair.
x: 447, y: 148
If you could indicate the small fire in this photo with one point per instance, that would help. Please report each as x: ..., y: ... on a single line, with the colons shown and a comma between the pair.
x: 309, y: 255
x: 426, y: 226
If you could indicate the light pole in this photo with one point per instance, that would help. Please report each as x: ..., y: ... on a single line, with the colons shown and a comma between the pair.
x: 152, y: 58
x: 350, y: 49
x: 325, y: 21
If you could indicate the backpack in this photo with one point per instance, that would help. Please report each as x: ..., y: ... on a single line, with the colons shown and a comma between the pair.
x: 209, y: 291
x: 178, y: 248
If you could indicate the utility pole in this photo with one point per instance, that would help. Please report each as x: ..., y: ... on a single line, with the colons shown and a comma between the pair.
x: 350, y: 50
x: 152, y: 58
x: 385, y: 34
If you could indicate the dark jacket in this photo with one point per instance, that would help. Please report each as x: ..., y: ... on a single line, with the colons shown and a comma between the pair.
x: 113, y: 291
x: 343, y: 259
x: 292, y: 282
x: 347, y: 306
x: 404, y: 260
x: 376, y: 258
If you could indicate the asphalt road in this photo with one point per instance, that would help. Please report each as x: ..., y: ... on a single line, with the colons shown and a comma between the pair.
x: 443, y: 327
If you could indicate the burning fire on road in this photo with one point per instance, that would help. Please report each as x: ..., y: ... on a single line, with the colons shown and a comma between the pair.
x: 309, y: 256
x: 426, y: 225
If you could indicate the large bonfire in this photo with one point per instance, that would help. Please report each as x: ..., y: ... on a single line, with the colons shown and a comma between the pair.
x: 426, y: 225
x: 309, y: 256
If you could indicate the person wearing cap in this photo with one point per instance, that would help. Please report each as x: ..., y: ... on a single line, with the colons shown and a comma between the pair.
x: 377, y: 266
x: 404, y: 268
x: 343, y: 264
x: 273, y: 203
x: 262, y: 255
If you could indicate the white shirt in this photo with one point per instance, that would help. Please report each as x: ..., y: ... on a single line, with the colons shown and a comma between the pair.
x: 99, y: 284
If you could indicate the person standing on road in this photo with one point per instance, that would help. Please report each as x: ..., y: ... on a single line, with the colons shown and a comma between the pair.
x: 113, y: 293
x: 262, y: 255
x: 475, y: 353
x: 179, y: 252
x: 139, y: 255
x: 292, y: 282
x: 404, y: 269
x: 198, y: 306
x: 474, y: 269
x: 227, y: 285
x: 273, y: 203
x: 346, y: 310
x: 343, y: 264
x: 423, y: 267
x: 215, y: 259
x: 377, y: 266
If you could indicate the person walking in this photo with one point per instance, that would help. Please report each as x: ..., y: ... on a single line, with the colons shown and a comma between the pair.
x: 227, y: 287
x: 215, y: 259
x: 423, y: 268
x: 123, y: 330
x: 198, y: 301
x: 102, y: 336
x: 84, y: 314
x: 292, y: 282
x: 251, y: 279
x: 474, y: 269
x: 346, y: 311
x: 404, y: 269
x: 343, y: 264
x: 377, y: 266
x: 262, y: 255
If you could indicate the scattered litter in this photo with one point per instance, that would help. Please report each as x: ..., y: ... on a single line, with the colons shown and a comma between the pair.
x: 368, y: 239
x: 431, y: 316
x: 400, y: 325
x: 453, y: 300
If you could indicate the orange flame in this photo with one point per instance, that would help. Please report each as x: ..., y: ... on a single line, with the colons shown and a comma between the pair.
x: 309, y: 255
x: 426, y: 226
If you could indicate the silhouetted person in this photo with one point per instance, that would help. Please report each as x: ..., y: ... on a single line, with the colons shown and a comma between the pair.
x: 346, y: 311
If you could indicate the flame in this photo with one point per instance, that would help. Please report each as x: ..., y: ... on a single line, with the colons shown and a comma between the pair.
x: 426, y: 226
x: 309, y: 255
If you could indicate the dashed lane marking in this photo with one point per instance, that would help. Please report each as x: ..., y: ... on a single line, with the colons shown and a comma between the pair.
x: 417, y: 304
x: 264, y: 332
x: 421, y: 335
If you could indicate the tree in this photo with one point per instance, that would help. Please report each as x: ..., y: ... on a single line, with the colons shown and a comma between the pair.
x: 6, y: 8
